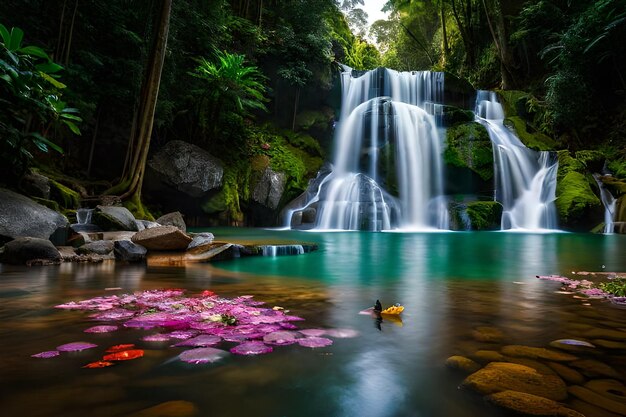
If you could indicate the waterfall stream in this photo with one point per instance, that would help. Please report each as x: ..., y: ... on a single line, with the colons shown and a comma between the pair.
x: 525, y: 179
x: 609, y: 203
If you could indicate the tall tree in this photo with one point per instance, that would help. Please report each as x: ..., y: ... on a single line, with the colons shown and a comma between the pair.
x: 130, y: 185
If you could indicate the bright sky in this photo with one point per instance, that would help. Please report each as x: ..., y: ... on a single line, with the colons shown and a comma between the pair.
x: 372, y: 8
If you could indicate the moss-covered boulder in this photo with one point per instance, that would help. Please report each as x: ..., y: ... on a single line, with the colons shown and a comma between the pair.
x: 531, y: 138
x: 114, y: 218
x: 530, y: 405
x: 502, y: 376
x: 458, y: 91
x: 468, y: 146
x: 452, y: 116
x: 577, y: 205
x: 484, y: 215
x: 592, y: 160
x: 317, y: 120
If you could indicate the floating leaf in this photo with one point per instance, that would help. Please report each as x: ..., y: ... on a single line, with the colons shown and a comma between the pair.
x: 280, y: 338
x: 101, y: 329
x: 202, y: 355
x: 315, y: 342
x: 251, y: 348
x: 202, y: 340
x: 125, y: 355
x: 99, y: 364
x: 75, y: 346
x: 120, y: 348
x: 47, y: 354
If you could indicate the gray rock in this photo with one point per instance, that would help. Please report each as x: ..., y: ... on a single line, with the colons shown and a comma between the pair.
x: 200, y: 239
x: 26, y: 249
x: 21, y: 216
x: 162, y: 238
x: 98, y: 247
x: 187, y: 168
x: 269, y: 190
x: 125, y: 250
x: 114, y: 218
x: 173, y: 219
x: 145, y: 224
x: 36, y: 185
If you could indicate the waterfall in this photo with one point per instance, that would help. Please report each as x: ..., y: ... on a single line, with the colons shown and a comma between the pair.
x: 282, y: 250
x: 609, y: 203
x: 83, y: 216
x: 387, y: 169
x: 525, y: 179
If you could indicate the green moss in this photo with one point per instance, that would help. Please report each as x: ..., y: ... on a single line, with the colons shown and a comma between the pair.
x: 529, y: 137
x: 469, y: 146
x: 618, y: 167
x: 309, y: 119
x: 53, y: 205
x: 453, y: 116
x: 64, y: 196
x: 593, y: 160
x: 575, y: 200
x: 136, y: 207
x: 568, y: 164
x: 485, y: 215
x: 513, y: 102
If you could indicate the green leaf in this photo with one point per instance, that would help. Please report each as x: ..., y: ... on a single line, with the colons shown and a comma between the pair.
x: 72, y: 127
x: 4, y: 33
x: 16, y: 39
x: 49, y: 67
x: 34, y: 51
x: 42, y: 141
x: 52, y: 81
x: 71, y: 117
x: 71, y: 110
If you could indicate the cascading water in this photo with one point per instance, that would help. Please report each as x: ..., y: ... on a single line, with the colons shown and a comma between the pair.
x: 609, y: 203
x: 387, y: 170
x: 525, y: 179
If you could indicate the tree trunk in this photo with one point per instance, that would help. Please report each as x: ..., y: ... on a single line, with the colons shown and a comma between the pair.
x: 296, y: 101
x: 66, y: 61
x: 444, y: 32
x: 93, y: 142
x: 130, y: 185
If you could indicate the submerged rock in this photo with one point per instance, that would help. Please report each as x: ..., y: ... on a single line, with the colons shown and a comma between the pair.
x: 25, y: 250
x: 463, y: 364
x: 532, y: 405
x: 98, y: 247
x: 169, y: 409
x: 594, y: 368
x: 502, y: 376
x: 487, y: 334
x: 597, y: 399
x: 486, y: 356
x: 162, y: 238
x: 537, y: 353
x: 568, y: 374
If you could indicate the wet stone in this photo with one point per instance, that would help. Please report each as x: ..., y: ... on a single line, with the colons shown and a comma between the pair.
x: 592, y: 397
x: 463, y: 364
x: 589, y: 410
x: 594, y: 368
x: 568, y: 374
x: 487, y: 334
x: 609, y: 344
x: 537, y: 353
x: 486, y: 356
x: 596, y: 333
x: 502, y: 376
x: 528, y: 404
x: 609, y: 388
x: 531, y: 363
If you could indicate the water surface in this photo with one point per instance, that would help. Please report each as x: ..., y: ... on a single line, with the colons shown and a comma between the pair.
x: 450, y: 284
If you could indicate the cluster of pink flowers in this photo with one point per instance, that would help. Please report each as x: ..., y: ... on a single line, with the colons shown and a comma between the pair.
x: 201, y: 322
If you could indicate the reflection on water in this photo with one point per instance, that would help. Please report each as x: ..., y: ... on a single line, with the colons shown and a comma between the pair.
x: 450, y: 284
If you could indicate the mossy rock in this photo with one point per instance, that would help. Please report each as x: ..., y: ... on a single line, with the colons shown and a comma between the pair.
x: 530, y: 405
x: 616, y: 186
x: 513, y: 102
x: 543, y: 369
x: 567, y: 164
x: 617, y: 167
x: 485, y: 215
x: 529, y: 137
x: 468, y: 146
x: 592, y: 160
x: 64, y: 196
x: 452, y: 116
x: 503, y: 376
x: 53, y: 205
x: 462, y: 364
x: 310, y: 119
x: 578, y: 207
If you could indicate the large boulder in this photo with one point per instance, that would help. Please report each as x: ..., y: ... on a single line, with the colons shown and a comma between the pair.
x: 98, y: 247
x: 21, y: 216
x: 114, y: 218
x: 162, y: 238
x: 25, y: 250
x: 36, y: 185
x: 172, y: 219
x: 187, y: 168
